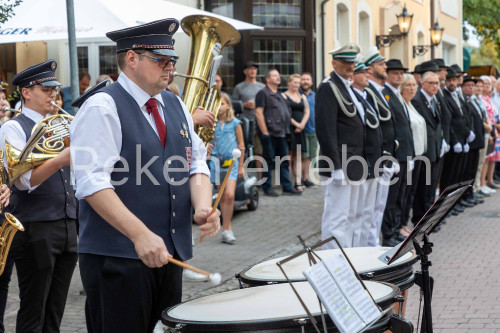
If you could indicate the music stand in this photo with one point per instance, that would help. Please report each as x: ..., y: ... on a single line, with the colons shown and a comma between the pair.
x: 312, y: 256
x: 420, y: 234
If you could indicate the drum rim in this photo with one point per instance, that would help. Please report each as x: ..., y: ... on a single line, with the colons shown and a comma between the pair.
x: 404, y: 267
x: 274, y: 323
x: 382, y: 325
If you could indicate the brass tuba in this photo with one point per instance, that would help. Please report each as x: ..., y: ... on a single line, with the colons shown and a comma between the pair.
x: 10, y: 224
x: 208, y: 36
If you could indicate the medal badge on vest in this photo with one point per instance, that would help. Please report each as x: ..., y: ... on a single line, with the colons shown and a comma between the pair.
x: 185, y: 134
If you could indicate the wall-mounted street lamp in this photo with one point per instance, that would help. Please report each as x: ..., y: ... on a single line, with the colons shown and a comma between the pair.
x: 436, y: 36
x: 404, y: 24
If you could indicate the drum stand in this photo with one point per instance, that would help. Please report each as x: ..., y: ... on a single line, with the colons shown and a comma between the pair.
x: 425, y: 281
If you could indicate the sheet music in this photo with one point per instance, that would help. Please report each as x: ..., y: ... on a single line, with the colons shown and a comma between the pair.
x: 346, y: 301
x: 213, y: 69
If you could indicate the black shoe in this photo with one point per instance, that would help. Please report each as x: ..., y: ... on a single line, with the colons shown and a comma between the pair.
x: 399, y: 237
x: 466, y: 204
x: 390, y: 242
x: 436, y: 229
x: 459, y: 208
x: 454, y: 212
x: 472, y: 201
x: 479, y: 195
x: 479, y: 201
x: 291, y: 191
x: 309, y: 183
x: 443, y: 222
x: 271, y: 193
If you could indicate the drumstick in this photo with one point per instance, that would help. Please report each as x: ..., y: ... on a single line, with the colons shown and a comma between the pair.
x: 214, y: 278
x: 236, y: 154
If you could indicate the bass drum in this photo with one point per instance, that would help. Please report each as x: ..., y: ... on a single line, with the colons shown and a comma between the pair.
x: 273, y: 308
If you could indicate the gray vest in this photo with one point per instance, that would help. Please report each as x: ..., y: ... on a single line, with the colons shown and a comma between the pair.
x: 52, y: 200
x: 163, y: 206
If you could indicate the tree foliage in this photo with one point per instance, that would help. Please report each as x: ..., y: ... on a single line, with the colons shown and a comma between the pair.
x: 7, y: 9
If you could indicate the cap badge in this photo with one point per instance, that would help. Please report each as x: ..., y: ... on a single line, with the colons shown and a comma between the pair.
x: 171, y: 28
x: 53, y: 65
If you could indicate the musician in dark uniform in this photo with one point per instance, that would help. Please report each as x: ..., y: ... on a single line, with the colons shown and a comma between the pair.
x: 140, y: 170
x: 477, y: 118
x: 460, y: 135
x: 377, y: 74
x: 43, y: 200
x: 426, y: 104
x: 398, y: 194
x: 340, y: 132
x: 373, y: 151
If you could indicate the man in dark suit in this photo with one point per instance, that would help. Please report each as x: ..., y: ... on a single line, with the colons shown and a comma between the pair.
x: 426, y: 104
x: 404, y: 154
x: 477, y: 144
x: 340, y: 131
x: 460, y: 134
x: 377, y: 74
x: 365, y: 227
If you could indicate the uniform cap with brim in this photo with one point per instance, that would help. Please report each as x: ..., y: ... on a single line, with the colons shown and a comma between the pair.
x: 77, y: 103
x: 360, y: 66
x: 43, y: 74
x: 372, y: 56
x: 428, y: 66
x: 155, y: 37
x: 395, y: 64
x: 347, y: 52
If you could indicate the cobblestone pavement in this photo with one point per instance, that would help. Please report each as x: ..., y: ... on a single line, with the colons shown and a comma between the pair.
x: 465, y: 263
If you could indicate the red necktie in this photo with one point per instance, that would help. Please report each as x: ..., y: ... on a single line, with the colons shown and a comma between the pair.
x: 152, y: 107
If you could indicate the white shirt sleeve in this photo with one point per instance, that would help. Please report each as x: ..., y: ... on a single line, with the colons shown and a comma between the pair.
x: 13, y: 133
x: 96, y: 141
x: 199, y: 152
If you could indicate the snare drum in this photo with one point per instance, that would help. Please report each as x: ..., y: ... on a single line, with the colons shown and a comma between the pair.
x: 364, y: 259
x: 273, y: 308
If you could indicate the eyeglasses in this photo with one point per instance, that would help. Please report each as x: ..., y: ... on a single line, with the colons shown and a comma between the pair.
x: 431, y: 83
x: 50, y: 90
x: 163, y: 62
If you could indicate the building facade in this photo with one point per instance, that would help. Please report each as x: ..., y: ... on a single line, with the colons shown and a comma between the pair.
x: 297, y: 37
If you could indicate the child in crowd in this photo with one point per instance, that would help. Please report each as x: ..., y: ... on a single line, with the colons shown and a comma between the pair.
x: 228, y: 136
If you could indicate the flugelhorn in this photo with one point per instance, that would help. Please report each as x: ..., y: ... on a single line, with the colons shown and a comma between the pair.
x: 10, y: 224
x: 49, y: 137
x: 208, y: 36
x: 14, y: 114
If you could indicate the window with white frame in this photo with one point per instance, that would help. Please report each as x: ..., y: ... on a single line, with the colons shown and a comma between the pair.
x: 343, y: 35
x: 97, y: 59
x: 449, y: 53
x: 364, y: 31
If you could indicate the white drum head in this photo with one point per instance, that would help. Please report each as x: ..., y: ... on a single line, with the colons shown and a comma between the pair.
x: 364, y: 259
x: 261, y: 303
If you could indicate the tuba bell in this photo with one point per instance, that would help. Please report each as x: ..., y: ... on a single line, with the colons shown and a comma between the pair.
x: 208, y: 36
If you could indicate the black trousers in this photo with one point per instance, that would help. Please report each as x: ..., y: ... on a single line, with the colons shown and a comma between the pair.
x: 470, y: 170
x: 411, y: 190
x: 124, y: 295
x: 45, y: 257
x: 4, y: 288
x: 396, y: 199
x: 426, y: 189
x: 453, y: 169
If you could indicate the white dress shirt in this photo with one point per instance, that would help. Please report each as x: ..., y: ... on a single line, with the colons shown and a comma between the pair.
x: 418, y: 129
x: 96, y: 139
x: 379, y: 89
x: 13, y: 133
x: 358, y: 104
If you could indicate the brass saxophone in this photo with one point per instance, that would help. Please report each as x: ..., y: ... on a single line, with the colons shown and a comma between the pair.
x: 9, y: 226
